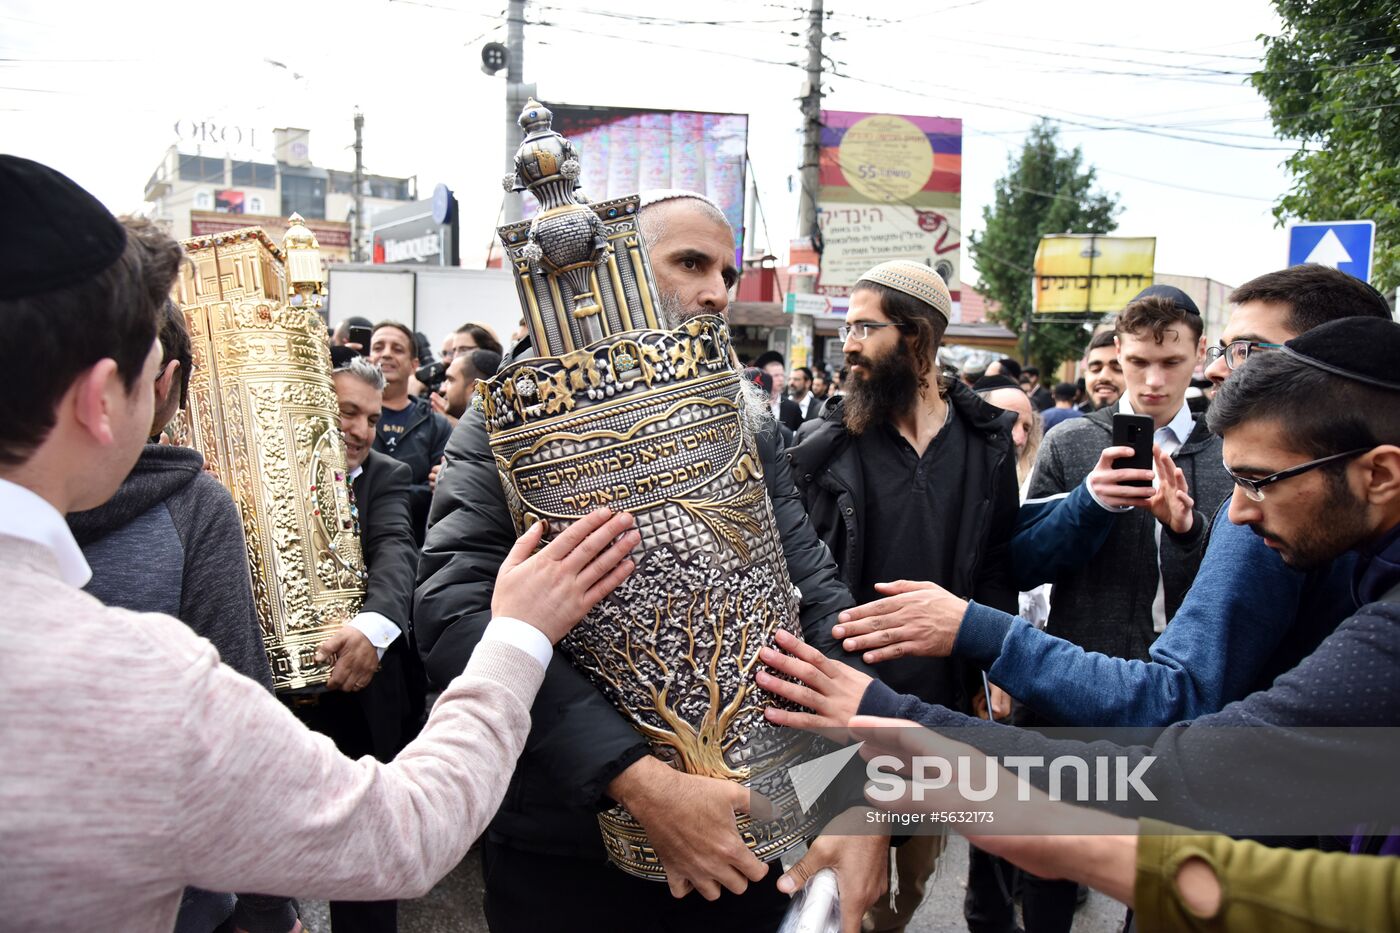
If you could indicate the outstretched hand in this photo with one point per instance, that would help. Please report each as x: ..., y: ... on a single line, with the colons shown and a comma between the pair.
x: 916, y: 619
x: 1171, y: 503
x: 830, y: 689
x: 554, y: 589
x: 1016, y: 820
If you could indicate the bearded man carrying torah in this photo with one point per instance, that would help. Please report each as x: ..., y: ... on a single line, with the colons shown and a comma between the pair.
x: 648, y: 731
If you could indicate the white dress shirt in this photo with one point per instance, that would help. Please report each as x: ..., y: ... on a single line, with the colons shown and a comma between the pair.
x: 381, y: 630
x: 26, y: 514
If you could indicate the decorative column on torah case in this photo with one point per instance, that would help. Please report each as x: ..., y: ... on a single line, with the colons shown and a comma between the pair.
x: 263, y: 412
x: 620, y: 410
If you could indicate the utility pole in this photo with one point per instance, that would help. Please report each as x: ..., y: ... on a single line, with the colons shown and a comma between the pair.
x: 357, y: 251
x: 802, y: 333
x: 515, y: 100
x: 811, y: 125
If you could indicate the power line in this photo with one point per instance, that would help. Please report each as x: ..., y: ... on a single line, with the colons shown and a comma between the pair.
x: 438, y: 6
x: 485, y: 32
x: 672, y: 45
x: 646, y: 20
x: 1030, y: 113
x: 758, y: 201
x: 1164, y: 184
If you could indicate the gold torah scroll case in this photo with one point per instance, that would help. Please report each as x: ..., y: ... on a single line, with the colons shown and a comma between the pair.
x: 263, y: 412
x: 620, y: 409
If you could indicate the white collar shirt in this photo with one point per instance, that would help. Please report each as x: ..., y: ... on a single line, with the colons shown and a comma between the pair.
x: 1174, y: 434
x: 27, y: 515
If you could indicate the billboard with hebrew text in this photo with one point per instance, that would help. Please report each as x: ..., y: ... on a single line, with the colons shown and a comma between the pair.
x: 891, y: 188
x: 1090, y: 274
x: 625, y: 150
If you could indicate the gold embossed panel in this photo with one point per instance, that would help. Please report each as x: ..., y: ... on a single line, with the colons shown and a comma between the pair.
x: 263, y: 412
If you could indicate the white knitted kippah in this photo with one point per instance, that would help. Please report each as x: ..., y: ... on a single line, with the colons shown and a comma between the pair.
x: 657, y: 195
x: 915, y: 280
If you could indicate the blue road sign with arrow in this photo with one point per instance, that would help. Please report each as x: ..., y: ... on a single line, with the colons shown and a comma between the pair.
x: 1341, y: 244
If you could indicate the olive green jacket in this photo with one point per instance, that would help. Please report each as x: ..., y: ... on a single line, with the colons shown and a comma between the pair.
x: 1279, y: 890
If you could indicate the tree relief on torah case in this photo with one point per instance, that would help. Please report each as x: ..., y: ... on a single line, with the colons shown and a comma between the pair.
x: 263, y: 412
x: 620, y: 410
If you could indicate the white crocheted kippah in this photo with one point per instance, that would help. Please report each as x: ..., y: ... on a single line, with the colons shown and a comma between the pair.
x: 915, y: 280
x: 657, y: 195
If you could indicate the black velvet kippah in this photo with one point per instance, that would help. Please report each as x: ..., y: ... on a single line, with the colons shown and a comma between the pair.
x: 53, y: 234
x: 987, y: 383
x: 1366, y: 349
x: 1173, y: 294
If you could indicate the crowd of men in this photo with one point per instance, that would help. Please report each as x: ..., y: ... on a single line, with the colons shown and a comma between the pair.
x: 968, y: 551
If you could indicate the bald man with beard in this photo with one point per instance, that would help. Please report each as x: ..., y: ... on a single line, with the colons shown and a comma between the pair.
x: 583, y: 755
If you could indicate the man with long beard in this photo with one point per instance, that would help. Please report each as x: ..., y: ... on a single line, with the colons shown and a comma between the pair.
x: 543, y: 857
x: 905, y: 476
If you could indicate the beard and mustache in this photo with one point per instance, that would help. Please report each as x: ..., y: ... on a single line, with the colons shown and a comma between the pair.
x: 885, y: 387
x: 1342, y: 522
x: 754, y: 409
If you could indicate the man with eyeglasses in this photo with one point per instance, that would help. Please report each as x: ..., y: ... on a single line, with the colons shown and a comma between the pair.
x: 1311, y: 437
x: 1246, y: 619
x: 1119, y: 570
x: 909, y: 476
x: 1276, y: 307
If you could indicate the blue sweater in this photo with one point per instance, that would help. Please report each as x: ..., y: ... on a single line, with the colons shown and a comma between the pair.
x: 1246, y: 619
x: 1279, y: 759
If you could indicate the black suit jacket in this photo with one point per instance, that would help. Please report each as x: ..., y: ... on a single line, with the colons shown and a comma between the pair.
x: 393, y: 701
x: 789, y: 414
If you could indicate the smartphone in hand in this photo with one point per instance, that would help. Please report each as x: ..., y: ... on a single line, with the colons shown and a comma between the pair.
x: 1134, y: 431
x: 361, y: 336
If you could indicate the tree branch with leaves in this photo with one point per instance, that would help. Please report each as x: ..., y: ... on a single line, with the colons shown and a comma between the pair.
x: 1046, y: 190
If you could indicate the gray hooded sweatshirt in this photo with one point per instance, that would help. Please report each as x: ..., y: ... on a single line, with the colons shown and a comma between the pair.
x: 171, y: 541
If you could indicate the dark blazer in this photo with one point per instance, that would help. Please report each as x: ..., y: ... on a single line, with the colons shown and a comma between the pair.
x: 789, y: 414
x: 393, y: 701
x: 814, y: 408
x: 1042, y: 399
x: 420, y: 448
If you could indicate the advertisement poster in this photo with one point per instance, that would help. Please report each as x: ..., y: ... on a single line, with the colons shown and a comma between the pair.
x: 891, y: 188
x: 625, y: 150
x: 1090, y: 274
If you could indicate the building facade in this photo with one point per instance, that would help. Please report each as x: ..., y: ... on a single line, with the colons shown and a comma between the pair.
x: 201, y: 192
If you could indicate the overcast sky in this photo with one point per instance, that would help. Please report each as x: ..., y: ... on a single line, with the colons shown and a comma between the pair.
x: 95, y: 88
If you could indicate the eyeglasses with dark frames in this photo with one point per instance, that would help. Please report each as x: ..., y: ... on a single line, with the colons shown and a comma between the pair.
x: 1254, y: 488
x: 861, y: 329
x: 1238, y: 351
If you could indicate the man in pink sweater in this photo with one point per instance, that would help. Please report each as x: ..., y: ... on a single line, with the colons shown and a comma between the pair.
x: 132, y: 763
